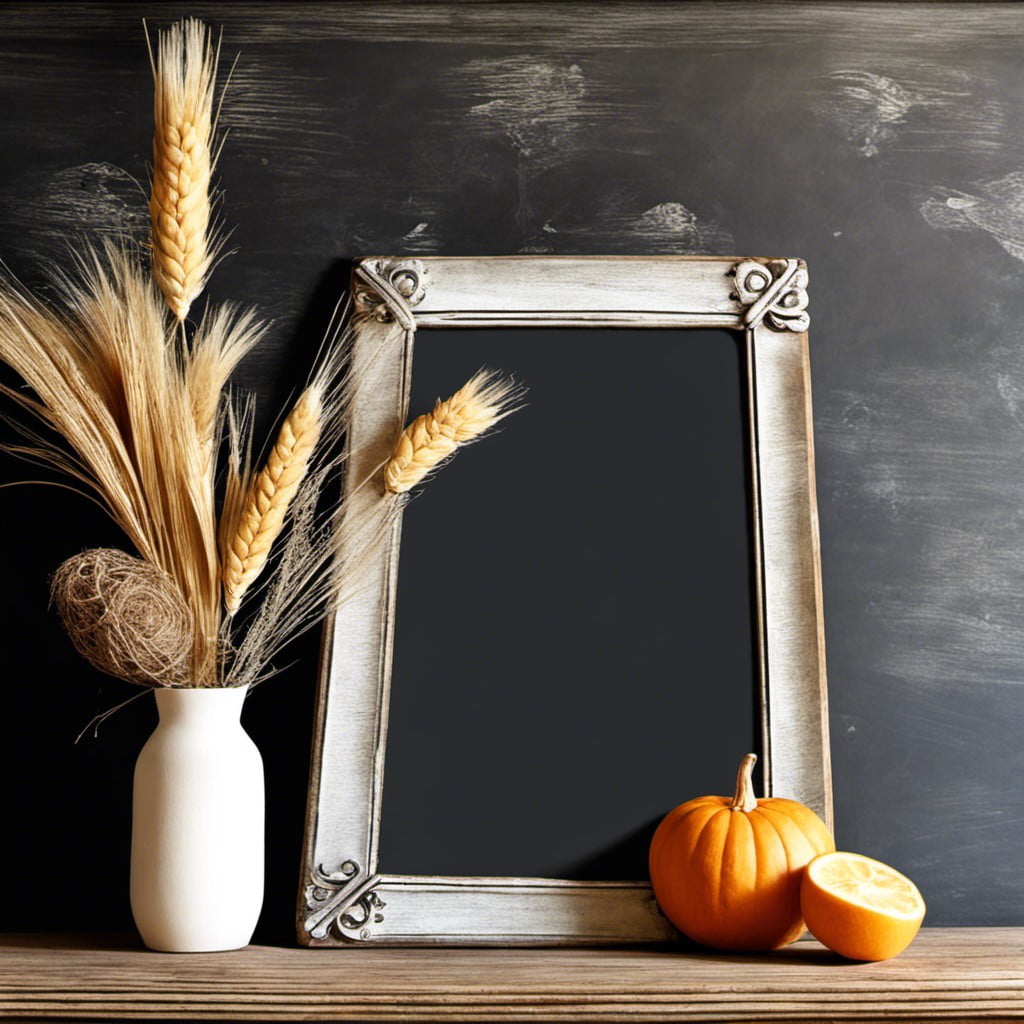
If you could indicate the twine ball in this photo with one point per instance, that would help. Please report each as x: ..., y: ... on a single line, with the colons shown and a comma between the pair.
x: 126, y: 617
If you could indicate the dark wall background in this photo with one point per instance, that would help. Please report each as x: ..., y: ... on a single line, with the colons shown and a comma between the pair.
x: 880, y: 142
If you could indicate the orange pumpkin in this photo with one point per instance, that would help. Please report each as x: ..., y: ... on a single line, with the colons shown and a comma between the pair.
x: 726, y: 872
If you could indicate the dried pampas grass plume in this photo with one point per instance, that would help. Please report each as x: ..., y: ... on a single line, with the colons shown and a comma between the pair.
x: 184, y: 72
x: 125, y: 617
x: 431, y: 438
x: 246, y: 543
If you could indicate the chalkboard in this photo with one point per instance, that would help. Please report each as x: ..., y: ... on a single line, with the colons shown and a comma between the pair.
x: 881, y: 142
x: 618, y: 602
x: 573, y: 647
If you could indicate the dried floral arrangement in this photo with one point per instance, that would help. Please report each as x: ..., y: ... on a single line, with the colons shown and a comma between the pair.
x: 129, y: 401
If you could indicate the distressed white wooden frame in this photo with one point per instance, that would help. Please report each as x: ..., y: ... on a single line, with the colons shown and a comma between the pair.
x: 343, y: 900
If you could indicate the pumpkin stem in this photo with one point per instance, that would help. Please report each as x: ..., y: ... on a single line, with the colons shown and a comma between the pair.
x: 744, y: 800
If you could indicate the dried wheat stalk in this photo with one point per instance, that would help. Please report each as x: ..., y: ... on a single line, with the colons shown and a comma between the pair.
x: 114, y: 389
x: 431, y: 438
x: 133, y: 413
x: 262, y: 517
x: 318, y: 561
x: 107, y: 377
x: 184, y: 73
x: 224, y: 337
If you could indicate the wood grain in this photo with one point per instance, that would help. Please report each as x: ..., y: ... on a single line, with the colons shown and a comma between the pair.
x: 344, y: 897
x: 947, y: 974
x: 617, y: 24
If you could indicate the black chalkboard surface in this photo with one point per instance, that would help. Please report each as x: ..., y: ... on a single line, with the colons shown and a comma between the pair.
x: 574, y: 642
x: 882, y: 143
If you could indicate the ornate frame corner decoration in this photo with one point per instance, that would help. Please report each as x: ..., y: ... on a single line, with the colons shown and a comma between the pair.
x: 343, y: 900
x: 388, y: 289
x: 344, y: 904
x: 775, y: 292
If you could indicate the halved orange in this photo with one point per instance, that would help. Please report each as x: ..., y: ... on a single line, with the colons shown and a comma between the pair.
x: 859, y: 907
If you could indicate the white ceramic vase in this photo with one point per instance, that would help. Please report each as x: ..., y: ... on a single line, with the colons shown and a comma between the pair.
x: 197, y: 825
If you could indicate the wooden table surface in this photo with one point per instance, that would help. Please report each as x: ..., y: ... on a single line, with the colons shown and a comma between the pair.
x: 947, y: 974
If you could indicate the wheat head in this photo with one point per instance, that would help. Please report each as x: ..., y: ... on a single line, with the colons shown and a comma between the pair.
x: 179, y: 206
x: 433, y: 437
x: 223, y: 338
x: 261, y: 518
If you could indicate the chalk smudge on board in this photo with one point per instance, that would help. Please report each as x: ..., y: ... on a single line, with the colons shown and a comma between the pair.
x: 620, y: 225
x: 939, y: 111
x: 674, y: 228
x: 1011, y: 390
x: 534, y: 102
x: 409, y: 227
x: 544, y: 111
x: 420, y: 239
x: 536, y: 105
x: 869, y: 107
x: 279, y: 114
x: 995, y: 207
x: 949, y: 501
x: 94, y: 199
